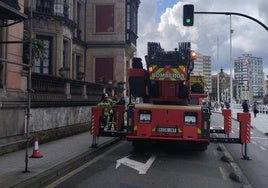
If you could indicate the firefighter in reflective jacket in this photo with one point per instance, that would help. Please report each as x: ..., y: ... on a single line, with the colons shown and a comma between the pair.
x: 108, y: 112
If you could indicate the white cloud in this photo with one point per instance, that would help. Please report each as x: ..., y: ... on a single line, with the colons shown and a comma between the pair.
x: 248, y: 36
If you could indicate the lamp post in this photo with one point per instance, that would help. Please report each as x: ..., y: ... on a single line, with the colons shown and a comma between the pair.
x: 218, y: 73
x: 231, y: 64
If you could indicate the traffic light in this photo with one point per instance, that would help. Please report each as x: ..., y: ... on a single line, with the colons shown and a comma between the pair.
x: 188, y: 15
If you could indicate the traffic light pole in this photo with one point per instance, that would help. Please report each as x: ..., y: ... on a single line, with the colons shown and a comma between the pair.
x: 235, y: 13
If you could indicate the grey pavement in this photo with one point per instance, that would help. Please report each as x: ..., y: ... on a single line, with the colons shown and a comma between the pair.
x: 59, y: 157
x: 260, y: 122
x: 63, y: 155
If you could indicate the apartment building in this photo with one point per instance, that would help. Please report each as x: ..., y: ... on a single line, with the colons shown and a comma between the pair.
x: 202, y: 66
x: 248, y: 72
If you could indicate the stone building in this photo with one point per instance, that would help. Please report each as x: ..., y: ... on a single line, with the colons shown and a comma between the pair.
x: 87, y: 49
x: 111, y: 35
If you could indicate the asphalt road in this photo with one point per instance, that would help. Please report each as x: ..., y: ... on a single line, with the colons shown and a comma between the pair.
x: 167, y: 165
x: 158, y: 166
x: 255, y: 169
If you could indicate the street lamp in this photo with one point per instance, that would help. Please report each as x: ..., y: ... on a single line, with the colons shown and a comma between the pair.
x: 231, y: 64
x: 218, y: 73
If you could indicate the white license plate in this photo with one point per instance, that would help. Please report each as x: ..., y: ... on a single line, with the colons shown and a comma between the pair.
x: 167, y: 130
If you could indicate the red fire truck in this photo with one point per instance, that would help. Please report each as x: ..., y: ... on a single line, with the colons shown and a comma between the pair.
x: 165, y: 104
x: 165, y: 101
x: 171, y: 107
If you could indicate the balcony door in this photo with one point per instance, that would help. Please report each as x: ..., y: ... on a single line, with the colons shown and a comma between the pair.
x: 104, y: 70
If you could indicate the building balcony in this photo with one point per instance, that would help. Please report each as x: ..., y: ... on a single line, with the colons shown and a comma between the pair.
x: 53, y: 10
x: 51, y: 91
x: 131, y: 37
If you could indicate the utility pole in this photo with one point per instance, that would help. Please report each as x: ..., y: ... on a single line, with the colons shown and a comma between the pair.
x: 218, y: 73
x: 231, y: 63
x: 29, y: 88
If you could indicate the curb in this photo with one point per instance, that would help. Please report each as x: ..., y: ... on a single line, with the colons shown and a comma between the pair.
x: 237, y: 174
x: 65, y: 167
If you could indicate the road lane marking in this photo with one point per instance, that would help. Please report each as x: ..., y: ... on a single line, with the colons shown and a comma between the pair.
x: 79, y: 169
x: 262, y: 148
x: 223, y: 173
x: 216, y: 153
x: 142, y: 168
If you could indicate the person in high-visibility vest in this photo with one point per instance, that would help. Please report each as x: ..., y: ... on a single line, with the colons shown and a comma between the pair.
x: 104, y: 104
x: 108, y: 112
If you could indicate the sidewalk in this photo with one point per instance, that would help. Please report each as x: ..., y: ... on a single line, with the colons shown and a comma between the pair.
x: 59, y: 156
x: 260, y: 122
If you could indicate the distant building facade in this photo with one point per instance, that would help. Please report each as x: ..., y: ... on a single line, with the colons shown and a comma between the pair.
x: 202, y: 66
x: 249, y: 75
x: 223, y: 86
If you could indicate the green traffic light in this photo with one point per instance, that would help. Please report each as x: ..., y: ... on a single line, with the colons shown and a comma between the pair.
x: 188, y: 15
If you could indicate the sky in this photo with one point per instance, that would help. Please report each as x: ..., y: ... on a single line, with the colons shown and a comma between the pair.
x: 161, y: 21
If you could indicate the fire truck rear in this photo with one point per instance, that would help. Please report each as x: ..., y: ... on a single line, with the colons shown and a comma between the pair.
x: 165, y: 101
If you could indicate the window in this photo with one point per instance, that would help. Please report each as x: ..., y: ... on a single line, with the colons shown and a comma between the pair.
x: 104, y: 70
x: 44, y: 6
x: 79, y: 30
x: 1, y: 63
x: 105, y: 18
x: 43, y: 66
x: 66, y: 8
x: 79, y: 68
x: 132, y: 14
x: 131, y: 21
x: 65, y: 53
x: 128, y: 16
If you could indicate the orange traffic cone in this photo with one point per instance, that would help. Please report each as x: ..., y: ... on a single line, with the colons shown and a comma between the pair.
x: 36, y: 153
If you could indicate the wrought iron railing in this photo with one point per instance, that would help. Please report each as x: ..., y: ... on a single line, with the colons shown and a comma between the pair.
x: 53, y: 9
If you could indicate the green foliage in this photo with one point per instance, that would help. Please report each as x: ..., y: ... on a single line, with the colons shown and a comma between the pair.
x: 38, y: 47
